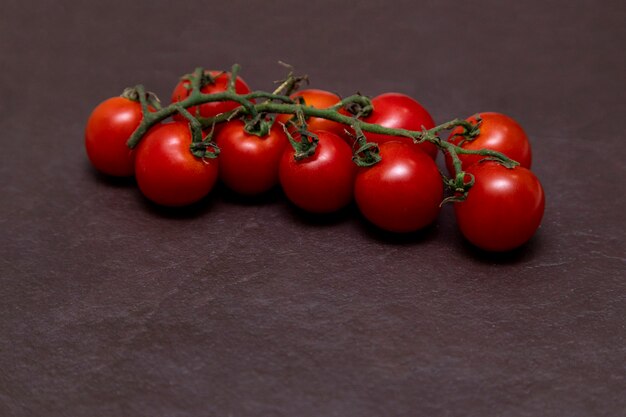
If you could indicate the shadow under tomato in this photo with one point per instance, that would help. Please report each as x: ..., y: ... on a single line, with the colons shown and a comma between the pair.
x: 320, y: 219
x: 427, y: 234
x: 191, y: 211
x: 110, y: 181
x: 231, y: 197
x: 519, y: 255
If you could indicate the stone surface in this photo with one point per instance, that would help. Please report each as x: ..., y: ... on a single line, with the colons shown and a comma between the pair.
x: 114, y: 307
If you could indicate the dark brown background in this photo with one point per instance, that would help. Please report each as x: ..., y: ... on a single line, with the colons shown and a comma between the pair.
x: 110, y: 306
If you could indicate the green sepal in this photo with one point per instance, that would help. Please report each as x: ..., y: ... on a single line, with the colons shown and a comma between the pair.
x: 307, y: 145
x: 367, y: 155
x: 206, y: 149
x: 359, y: 105
x: 459, y: 187
x: 258, y: 125
x: 130, y: 93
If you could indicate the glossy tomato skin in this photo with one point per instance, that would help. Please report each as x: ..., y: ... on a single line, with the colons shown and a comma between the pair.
x: 399, y: 111
x: 402, y: 192
x: 322, y: 183
x: 166, y: 171
x: 108, y: 128
x: 498, y: 132
x: 220, y: 85
x: 503, y: 209
x: 320, y: 99
x: 249, y: 163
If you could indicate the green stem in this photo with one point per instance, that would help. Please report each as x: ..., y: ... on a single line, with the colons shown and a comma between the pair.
x: 279, y: 102
x: 233, y: 78
x: 196, y: 80
x: 195, y: 98
x: 194, y: 124
x: 291, y: 83
x: 289, y: 107
x: 485, y: 152
x: 357, y: 105
x: 456, y: 161
x: 367, y: 153
x: 268, y: 96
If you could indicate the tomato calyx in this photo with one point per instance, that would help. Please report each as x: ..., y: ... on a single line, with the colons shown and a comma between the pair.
x: 359, y: 105
x: 367, y: 153
x: 291, y: 82
x: 470, y: 130
x: 426, y: 136
x: 138, y: 94
x: 130, y: 93
x: 205, y: 149
x: 460, y: 188
x: 199, y: 77
x: 305, y: 147
x: 201, y: 147
x: 258, y: 125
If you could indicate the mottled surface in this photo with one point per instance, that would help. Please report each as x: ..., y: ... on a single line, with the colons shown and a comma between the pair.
x: 113, y: 307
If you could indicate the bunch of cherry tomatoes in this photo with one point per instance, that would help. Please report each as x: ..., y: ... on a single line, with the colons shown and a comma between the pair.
x: 498, y: 207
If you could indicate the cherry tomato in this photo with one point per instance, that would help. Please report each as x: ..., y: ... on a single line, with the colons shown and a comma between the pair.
x: 167, y: 173
x: 320, y: 99
x: 109, y: 126
x: 399, y: 111
x: 402, y: 192
x: 322, y: 183
x: 497, y: 132
x: 503, y: 209
x: 249, y: 163
x: 220, y: 84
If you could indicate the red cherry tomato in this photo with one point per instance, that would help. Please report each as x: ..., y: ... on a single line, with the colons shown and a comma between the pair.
x: 220, y: 84
x: 320, y: 99
x: 503, y: 209
x: 402, y: 192
x: 497, y: 132
x: 399, y: 111
x: 249, y: 163
x: 109, y: 126
x: 322, y: 183
x: 167, y: 173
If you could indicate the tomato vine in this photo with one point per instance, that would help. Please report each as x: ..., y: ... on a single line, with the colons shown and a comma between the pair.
x: 319, y: 172
x: 279, y: 102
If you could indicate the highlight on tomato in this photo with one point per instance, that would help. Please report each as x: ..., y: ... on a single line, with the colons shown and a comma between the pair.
x: 503, y: 208
x: 167, y: 172
x: 402, y: 192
